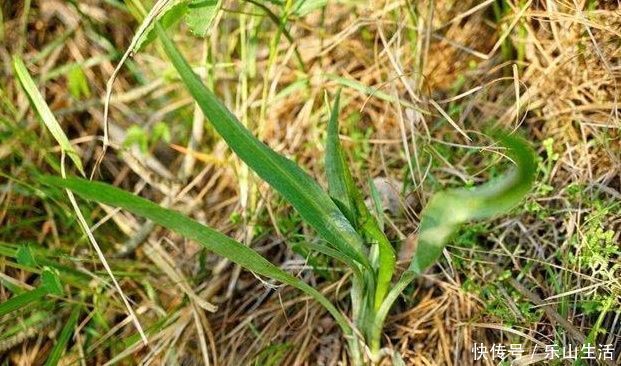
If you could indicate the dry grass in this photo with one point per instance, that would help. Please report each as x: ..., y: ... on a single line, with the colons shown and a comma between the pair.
x: 523, y: 281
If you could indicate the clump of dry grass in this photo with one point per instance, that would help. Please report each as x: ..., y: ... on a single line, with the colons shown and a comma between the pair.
x: 404, y: 67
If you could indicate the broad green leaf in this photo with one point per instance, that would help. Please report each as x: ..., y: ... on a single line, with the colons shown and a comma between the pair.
x: 449, y: 209
x: 44, y: 112
x: 343, y: 189
x: 63, y: 338
x: 201, y: 14
x: 51, y: 282
x: 295, y: 185
x: 193, y: 230
x: 25, y: 256
x: 387, y: 261
x: 382, y: 312
x: 77, y: 83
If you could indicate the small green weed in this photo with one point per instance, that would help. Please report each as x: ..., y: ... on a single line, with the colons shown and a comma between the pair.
x: 350, y: 233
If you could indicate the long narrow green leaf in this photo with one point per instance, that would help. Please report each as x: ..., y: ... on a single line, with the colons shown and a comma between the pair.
x: 295, y: 185
x: 63, y: 339
x: 35, y: 320
x: 49, y: 285
x: 341, y: 185
x: 44, y: 112
x: 449, y: 209
x: 21, y: 300
x: 343, y: 189
x: 193, y: 230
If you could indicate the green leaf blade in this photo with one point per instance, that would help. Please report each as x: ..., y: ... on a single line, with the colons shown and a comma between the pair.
x: 201, y: 14
x: 168, y: 16
x: 449, y: 209
x: 44, y: 112
x: 295, y: 185
x: 21, y: 300
x: 212, y: 240
x: 343, y: 189
x: 63, y: 339
x: 51, y: 282
x: 386, y: 261
x: 340, y: 182
x: 25, y: 257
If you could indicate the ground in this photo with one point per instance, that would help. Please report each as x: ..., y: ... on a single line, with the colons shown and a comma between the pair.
x: 422, y: 85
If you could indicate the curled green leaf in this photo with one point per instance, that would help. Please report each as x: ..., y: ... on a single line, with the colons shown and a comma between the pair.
x: 448, y: 209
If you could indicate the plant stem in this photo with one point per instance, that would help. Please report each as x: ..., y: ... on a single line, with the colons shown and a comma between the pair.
x: 380, y: 316
x: 355, y: 351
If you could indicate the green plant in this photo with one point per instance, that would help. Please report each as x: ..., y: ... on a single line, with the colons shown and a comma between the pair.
x: 351, y: 233
x: 136, y: 135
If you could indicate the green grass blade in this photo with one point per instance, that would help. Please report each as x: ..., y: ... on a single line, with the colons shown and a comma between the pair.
x: 21, y: 300
x: 35, y: 320
x: 50, y: 284
x: 343, y: 189
x: 376, y: 207
x: 295, y: 185
x: 193, y: 230
x: 44, y: 112
x: 63, y: 339
x: 340, y: 182
x: 449, y: 209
